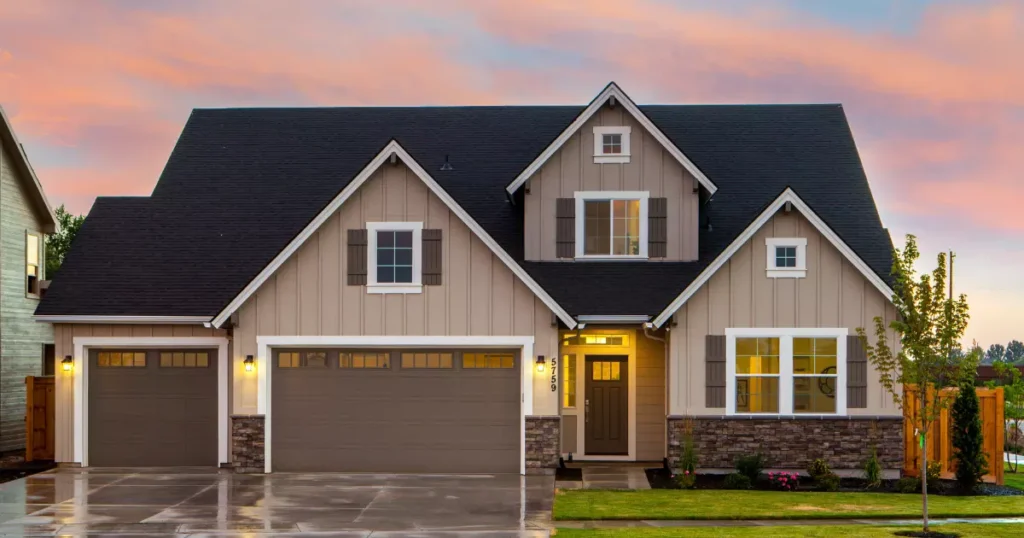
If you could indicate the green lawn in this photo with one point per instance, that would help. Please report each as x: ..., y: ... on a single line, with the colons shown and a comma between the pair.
x: 724, y: 504
x: 1014, y: 480
x: 1002, y: 530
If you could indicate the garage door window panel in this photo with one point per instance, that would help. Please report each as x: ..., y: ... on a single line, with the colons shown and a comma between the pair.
x: 302, y: 359
x: 427, y: 360
x: 184, y: 359
x: 488, y: 361
x: 364, y: 361
x: 121, y: 359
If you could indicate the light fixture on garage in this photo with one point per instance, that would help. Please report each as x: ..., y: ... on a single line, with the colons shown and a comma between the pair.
x: 249, y: 364
x: 68, y: 363
x: 540, y: 364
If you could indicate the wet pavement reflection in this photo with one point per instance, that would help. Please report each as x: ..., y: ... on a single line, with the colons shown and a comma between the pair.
x: 166, y: 502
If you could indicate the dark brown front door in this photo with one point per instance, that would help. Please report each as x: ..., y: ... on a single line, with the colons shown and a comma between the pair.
x: 152, y: 407
x: 606, y: 407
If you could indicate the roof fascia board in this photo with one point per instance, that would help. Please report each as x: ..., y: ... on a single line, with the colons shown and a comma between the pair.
x: 395, y: 148
x: 625, y: 318
x: 50, y: 224
x: 612, y: 90
x: 787, y: 196
x: 154, y: 320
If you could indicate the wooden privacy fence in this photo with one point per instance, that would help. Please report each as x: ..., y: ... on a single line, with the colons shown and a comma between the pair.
x: 940, y: 436
x: 39, y: 424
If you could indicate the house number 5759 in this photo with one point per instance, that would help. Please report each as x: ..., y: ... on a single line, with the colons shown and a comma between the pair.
x: 554, y: 374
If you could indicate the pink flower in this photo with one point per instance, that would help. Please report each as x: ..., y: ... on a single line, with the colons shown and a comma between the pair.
x: 686, y: 473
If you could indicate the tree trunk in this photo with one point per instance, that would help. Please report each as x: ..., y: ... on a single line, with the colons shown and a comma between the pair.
x: 925, y: 426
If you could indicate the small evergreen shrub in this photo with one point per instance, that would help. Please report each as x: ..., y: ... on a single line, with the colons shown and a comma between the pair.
x: 828, y: 482
x: 737, y: 481
x: 908, y: 484
x: 968, y: 440
x: 818, y: 468
x: 873, y: 471
x: 750, y: 466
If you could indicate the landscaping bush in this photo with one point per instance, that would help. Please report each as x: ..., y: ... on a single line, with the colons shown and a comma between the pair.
x: 828, y: 482
x: 934, y: 474
x: 686, y: 479
x: 968, y: 440
x: 738, y: 481
x: 908, y: 484
x: 783, y: 481
x: 750, y: 466
x: 818, y: 468
x: 873, y: 471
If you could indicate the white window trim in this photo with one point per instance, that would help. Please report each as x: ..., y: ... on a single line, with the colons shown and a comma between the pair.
x: 785, y: 337
x: 416, y: 286
x: 600, y: 157
x: 582, y: 196
x: 40, y: 263
x: 800, y: 243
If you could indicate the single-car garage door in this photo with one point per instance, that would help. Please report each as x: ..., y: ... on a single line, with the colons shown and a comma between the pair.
x: 152, y: 407
x: 395, y: 411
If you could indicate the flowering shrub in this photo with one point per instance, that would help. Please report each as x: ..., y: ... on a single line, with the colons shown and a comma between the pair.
x: 783, y: 481
x: 686, y: 479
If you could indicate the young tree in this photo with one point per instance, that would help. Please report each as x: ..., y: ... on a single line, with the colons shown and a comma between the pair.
x: 968, y: 439
x: 929, y: 327
x: 1012, y: 383
x: 58, y: 244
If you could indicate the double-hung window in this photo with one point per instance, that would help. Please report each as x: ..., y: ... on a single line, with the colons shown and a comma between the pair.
x: 786, y: 371
x: 611, y: 224
x: 394, y: 257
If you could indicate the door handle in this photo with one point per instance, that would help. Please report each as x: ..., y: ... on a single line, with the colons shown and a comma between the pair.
x: 586, y: 411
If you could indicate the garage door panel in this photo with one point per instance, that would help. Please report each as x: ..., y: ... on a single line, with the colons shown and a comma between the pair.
x: 396, y: 420
x: 152, y: 415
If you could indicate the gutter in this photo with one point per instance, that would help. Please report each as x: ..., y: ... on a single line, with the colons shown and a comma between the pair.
x: 155, y: 320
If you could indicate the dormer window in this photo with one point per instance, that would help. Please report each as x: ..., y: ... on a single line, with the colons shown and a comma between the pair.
x: 611, y: 144
x: 787, y: 257
x: 611, y: 224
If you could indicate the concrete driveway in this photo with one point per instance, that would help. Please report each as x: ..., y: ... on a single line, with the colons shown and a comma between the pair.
x: 179, y: 502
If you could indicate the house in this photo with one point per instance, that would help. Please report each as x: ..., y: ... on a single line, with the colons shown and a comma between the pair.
x: 25, y: 219
x: 481, y: 289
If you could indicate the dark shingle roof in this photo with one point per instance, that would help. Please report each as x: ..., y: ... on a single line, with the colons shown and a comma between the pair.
x: 241, y: 183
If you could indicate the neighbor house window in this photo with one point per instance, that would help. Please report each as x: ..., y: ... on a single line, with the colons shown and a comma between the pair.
x: 787, y: 257
x: 394, y: 257
x: 786, y: 371
x: 611, y: 144
x: 33, y: 263
x: 611, y: 224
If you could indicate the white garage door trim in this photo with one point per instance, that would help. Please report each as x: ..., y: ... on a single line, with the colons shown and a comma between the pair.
x: 265, y: 343
x: 80, y: 372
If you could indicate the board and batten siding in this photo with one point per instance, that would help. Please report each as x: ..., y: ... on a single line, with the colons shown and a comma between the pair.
x: 64, y: 335
x: 309, y: 295
x: 572, y: 169
x: 21, y: 338
x: 834, y: 295
x: 651, y: 410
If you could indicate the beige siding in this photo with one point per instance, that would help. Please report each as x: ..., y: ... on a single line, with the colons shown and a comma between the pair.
x: 740, y: 294
x: 21, y: 338
x: 572, y: 169
x: 309, y: 295
x: 64, y: 335
x: 650, y: 398
x: 569, y: 425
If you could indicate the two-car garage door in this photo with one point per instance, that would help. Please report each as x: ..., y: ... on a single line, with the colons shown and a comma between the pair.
x: 437, y: 411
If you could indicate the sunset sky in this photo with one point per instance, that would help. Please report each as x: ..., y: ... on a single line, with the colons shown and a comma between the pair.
x: 98, y: 91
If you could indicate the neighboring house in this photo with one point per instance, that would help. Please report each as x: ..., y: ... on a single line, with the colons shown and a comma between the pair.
x: 481, y: 289
x: 25, y: 219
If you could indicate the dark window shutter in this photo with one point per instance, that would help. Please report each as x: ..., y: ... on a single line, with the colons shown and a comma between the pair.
x: 432, y: 257
x: 657, y: 227
x: 357, y: 240
x: 565, y: 222
x: 856, y: 373
x: 714, y: 365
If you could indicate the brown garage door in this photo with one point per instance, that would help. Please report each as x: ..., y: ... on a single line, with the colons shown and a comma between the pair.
x: 403, y: 411
x: 152, y: 407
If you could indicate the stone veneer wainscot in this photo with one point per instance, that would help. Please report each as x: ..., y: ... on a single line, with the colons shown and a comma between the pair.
x: 248, y: 443
x: 543, y: 437
x: 790, y: 442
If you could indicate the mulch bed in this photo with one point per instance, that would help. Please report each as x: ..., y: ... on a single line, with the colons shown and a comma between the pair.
x: 661, y: 478
x: 13, y: 467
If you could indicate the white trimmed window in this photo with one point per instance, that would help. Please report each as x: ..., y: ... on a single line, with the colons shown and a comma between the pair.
x: 787, y: 257
x: 611, y: 144
x: 611, y: 224
x: 785, y: 371
x: 394, y: 257
x: 33, y: 264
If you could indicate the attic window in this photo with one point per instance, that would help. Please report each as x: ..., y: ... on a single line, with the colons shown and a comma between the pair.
x: 611, y: 144
x: 786, y: 257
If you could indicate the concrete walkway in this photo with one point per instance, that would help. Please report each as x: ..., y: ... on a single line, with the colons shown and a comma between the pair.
x: 609, y: 477
x: 608, y: 524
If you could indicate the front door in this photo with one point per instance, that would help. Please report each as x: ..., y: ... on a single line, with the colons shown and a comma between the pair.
x: 606, y: 407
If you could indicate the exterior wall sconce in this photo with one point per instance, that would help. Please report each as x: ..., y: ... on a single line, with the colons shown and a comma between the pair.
x: 249, y: 363
x: 540, y: 364
x: 68, y: 363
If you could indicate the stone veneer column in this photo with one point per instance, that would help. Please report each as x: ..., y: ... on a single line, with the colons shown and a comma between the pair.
x: 543, y: 438
x: 248, y: 443
x: 790, y: 442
